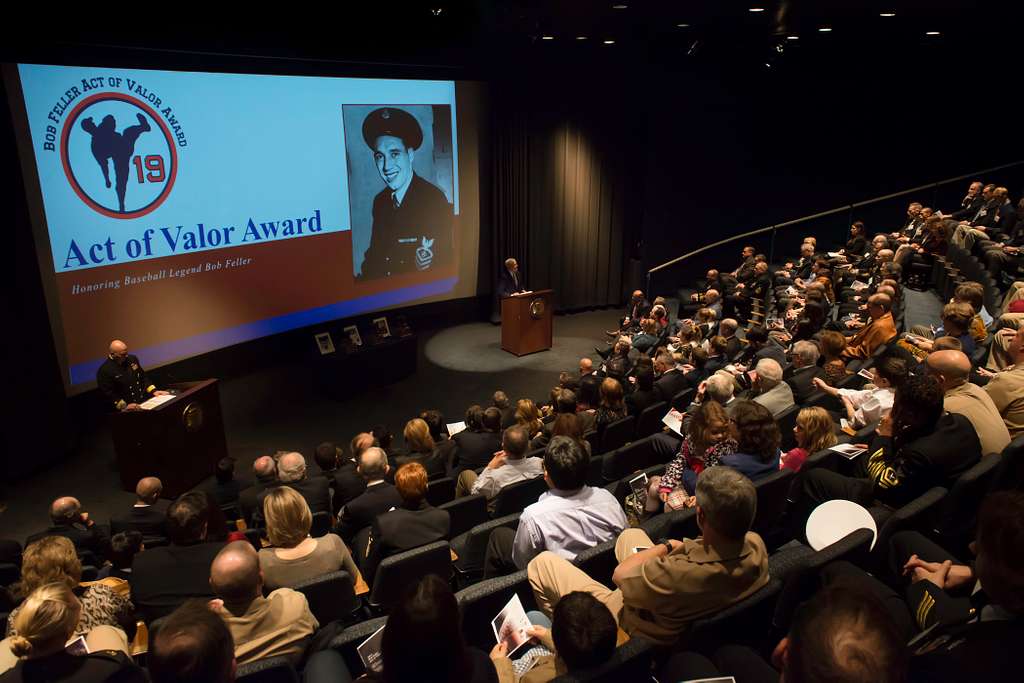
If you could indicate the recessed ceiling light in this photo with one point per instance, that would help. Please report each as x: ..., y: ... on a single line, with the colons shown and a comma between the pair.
x: 547, y: 37
x: 581, y: 37
x: 887, y: 14
x: 619, y: 6
x: 932, y: 33
x: 609, y: 42
x: 756, y: 9
x: 682, y: 26
x: 792, y: 37
x: 825, y: 29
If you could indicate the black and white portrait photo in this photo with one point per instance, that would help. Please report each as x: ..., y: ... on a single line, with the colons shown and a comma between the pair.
x: 401, y: 185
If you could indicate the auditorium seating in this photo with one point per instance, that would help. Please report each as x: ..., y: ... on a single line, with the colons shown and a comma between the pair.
x: 331, y: 597
x: 465, y: 513
x: 397, y: 572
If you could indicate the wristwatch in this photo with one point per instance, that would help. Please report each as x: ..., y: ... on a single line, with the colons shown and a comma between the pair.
x: 665, y: 542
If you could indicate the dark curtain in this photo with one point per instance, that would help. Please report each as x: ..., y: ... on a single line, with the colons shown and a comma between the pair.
x: 562, y: 190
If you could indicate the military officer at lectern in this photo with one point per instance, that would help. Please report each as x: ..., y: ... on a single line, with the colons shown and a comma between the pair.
x: 412, y: 219
x: 122, y: 380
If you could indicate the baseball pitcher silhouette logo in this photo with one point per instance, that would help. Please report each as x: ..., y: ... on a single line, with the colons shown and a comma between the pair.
x: 119, y: 174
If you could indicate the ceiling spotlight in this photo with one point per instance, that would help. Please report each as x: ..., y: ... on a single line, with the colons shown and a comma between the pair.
x: 581, y: 37
x: 436, y: 11
x: 887, y: 14
x: 756, y: 9
x: 619, y: 6
x: 825, y: 29
x: 682, y: 26
x: 932, y: 33
x: 792, y: 37
x: 609, y: 42
x: 547, y: 37
x: 695, y: 47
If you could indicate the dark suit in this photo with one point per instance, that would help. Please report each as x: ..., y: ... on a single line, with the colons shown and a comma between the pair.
x: 640, y: 400
x: 670, y: 383
x: 433, y: 462
x: 149, y: 520
x: 969, y: 206
x: 249, y: 499
x: 474, y: 450
x: 348, y: 485
x: 414, y: 236
x: 635, y: 310
x: 164, y: 578
x: 93, y: 538
x: 358, y: 514
x: 403, y: 529
x: 510, y: 283
x: 226, y: 493
x: 801, y: 381
x: 508, y: 417
x: 733, y: 346
x: 316, y: 491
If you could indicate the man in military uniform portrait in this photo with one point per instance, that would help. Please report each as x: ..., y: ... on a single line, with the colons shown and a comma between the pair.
x: 122, y: 380
x: 412, y: 219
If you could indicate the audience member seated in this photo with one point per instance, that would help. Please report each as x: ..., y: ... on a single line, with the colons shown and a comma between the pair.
x: 757, y: 441
x: 589, y: 397
x: 477, y: 444
x: 801, y: 375
x: 956, y: 322
x: 326, y: 458
x: 48, y: 619
x: 149, y: 514
x: 645, y: 395
x: 833, y: 344
x: 814, y: 431
x: 864, y: 406
x: 501, y: 401
x: 761, y: 345
x: 661, y: 589
x: 612, y: 407
x: 379, y: 497
x: 348, y: 482
x: 420, y: 447
x: 769, y: 390
x: 582, y: 635
x: 291, y: 472
x: 842, y: 635
x: 193, y: 645
x: 879, y: 330
x: 444, y: 445
x: 293, y: 556
x: 223, y: 486
x: 719, y: 387
x: 124, y: 546
x: 508, y: 465
x: 916, y: 447
x: 264, y: 469
x: 566, y: 520
x: 1006, y: 388
x: 528, y: 417
x: 69, y: 520
x: 952, y: 369
x: 413, y: 524
x: 670, y: 379
x: 279, y: 625
x: 708, y: 438
x: 52, y: 560
x: 164, y: 577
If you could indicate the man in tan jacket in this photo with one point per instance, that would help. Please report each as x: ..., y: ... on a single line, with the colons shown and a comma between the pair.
x: 880, y: 329
x: 952, y: 369
x: 664, y: 586
x: 1006, y: 388
x: 277, y: 625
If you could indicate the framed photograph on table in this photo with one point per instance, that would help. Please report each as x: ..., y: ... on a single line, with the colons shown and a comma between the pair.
x: 353, y: 335
x: 380, y: 326
x: 324, y: 343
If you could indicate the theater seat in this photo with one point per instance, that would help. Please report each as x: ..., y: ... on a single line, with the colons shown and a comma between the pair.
x: 515, y: 497
x: 465, y: 513
x: 396, y: 573
x: 480, y: 603
x: 471, y: 547
x: 440, y: 491
x: 269, y: 670
x: 331, y: 597
x: 617, y: 434
x: 649, y: 421
x: 630, y: 662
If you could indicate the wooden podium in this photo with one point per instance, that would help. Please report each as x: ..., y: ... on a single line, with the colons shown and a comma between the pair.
x: 526, y: 322
x: 179, y: 441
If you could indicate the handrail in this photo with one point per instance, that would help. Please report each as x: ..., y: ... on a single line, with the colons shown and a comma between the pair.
x: 845, y: 207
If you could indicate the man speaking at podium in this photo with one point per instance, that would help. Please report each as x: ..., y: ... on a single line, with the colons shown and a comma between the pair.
x: 122, y: 379
x: 510, y: 281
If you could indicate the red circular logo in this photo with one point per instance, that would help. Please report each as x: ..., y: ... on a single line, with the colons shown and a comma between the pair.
x: 125, y: 174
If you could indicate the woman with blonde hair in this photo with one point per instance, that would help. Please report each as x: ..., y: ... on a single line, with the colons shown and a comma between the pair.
x: 294, y: 556
x: 52, y: 559
x: 814, y: 432
x: 47, y: 619
x: 528, y: 416
x: 420, y: 447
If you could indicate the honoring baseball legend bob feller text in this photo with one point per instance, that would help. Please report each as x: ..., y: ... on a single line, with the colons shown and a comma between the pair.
x: 190, y: 211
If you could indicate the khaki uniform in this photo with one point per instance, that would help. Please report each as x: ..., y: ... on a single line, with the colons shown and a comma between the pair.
x: 974, y: 403
x: 277, y: 625
x: 1006, y: 390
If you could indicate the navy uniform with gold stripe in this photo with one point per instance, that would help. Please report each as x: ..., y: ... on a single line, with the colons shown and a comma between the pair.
x: 124, y: 382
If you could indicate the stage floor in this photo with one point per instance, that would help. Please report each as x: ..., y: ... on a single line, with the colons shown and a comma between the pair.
x: 278, y: 408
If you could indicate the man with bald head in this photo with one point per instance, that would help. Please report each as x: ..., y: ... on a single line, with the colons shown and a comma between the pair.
x: 148, y: 515
x: 69, y: 520
x: 265, y: 471
x: 122, y: 380
x: 291, y: 471
x: 879, y: 330
x: 952, y: 369
x: 637, y: 309
x: 279, y: 625
x: 379, y: 497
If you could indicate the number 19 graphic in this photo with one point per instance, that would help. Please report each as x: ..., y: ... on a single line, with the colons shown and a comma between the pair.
x: 154, y: 168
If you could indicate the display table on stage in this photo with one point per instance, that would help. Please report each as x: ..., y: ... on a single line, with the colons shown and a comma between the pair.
x: 526, y: 322
x: 179, y: 441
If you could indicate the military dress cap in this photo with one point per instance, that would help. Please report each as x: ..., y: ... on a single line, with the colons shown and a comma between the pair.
x: 391, y: 121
